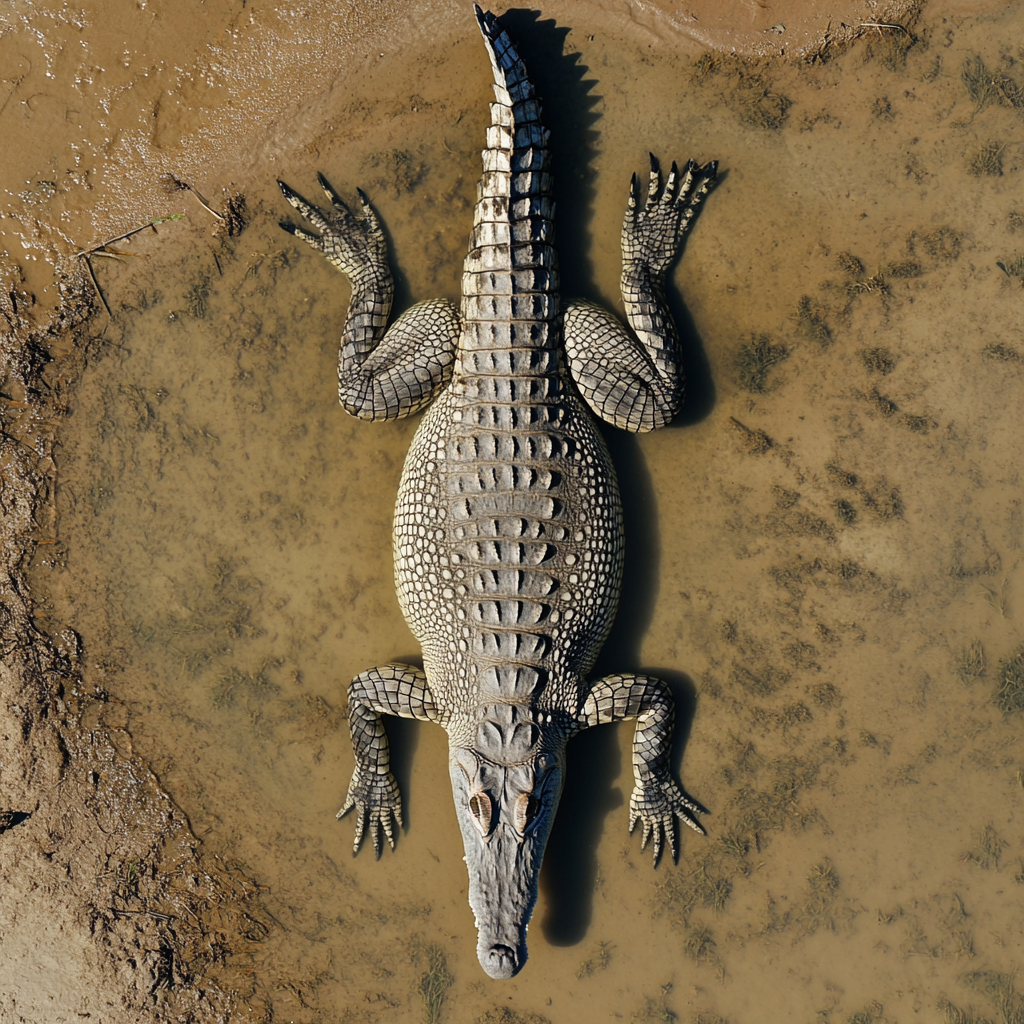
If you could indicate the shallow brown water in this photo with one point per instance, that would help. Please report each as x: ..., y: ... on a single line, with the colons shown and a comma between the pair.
x: 223, y: 540
x: 99, y: 101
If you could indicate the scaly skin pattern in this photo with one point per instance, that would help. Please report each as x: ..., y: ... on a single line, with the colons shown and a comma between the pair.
x: 508, y: 528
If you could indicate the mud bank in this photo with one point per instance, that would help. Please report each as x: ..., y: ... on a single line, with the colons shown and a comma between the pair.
x: 110, y: 910
x: 824, y: 554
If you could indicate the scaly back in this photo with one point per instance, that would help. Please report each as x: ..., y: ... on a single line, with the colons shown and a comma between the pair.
x: 510, y: 278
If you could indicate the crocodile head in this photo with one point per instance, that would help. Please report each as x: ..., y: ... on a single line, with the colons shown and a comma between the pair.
x: 506, y: 786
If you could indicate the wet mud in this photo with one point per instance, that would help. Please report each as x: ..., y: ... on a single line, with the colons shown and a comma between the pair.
x: 823, y: 561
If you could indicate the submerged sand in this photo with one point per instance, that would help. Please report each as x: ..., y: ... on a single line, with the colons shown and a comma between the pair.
x: 823, y: 552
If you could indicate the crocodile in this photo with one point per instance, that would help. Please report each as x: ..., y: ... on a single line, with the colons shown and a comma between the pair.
x: 508, y: 539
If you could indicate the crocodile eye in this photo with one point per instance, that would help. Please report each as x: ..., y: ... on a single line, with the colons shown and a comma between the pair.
x: 527, y: 806
x: 482, y: 809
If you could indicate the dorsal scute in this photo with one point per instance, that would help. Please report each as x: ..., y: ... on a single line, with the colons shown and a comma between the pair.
x: 532, y: 647
x: 512, y: 682
x: 506, y: 734
x: 511, y: 271
x: 511, y: 82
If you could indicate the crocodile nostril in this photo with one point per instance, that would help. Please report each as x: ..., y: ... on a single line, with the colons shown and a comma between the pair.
x: 501, y: 961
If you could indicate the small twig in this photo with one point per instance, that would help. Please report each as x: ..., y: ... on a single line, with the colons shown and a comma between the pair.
x: 188, y: 910
x: 101, y: 250
x: 96, y: 284
x: 175, y: 184
x: 142, y: 913
x: 883, y: 24
x: 114, y: 254
x: 205, y: 205
x: 128, y: 234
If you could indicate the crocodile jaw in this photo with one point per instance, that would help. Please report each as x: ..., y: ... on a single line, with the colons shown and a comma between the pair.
x: 504, y: 865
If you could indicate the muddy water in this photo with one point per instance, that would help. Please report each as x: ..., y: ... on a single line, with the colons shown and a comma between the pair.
x: 824, y: 552
x: 101, y: 101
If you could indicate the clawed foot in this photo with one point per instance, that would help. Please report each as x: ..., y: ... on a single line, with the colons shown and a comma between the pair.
x: 651, y: 234
x: 376, y: 800
x: 657, y: 804
x: 351, y: 243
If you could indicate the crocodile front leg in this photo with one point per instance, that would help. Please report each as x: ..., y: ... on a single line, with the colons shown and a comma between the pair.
x: 381, y: 374
x: 400, y: 690
x: 634, y: 380
x: 656, y: 799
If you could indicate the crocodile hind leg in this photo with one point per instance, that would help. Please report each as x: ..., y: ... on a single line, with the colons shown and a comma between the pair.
x: 656, y: 800
x: 400, y: 690
x: 635, y: 380
x: 382, y: 374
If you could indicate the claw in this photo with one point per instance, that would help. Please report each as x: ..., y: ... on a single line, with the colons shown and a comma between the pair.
x: 634, y: 194
x: 670, y: 185
x: 693, y: 823
x: 368, y: 214
x: 310, y: 212
x: 360, y: 825
x: 699, y: 181
x: 687, y: 183
x: 375, y: 835
x: 654, y: 184
x: 658, y: 807
x: 314, y: 240
x: 375, y: 802
x: 706, y: 177
x: 332, y: 196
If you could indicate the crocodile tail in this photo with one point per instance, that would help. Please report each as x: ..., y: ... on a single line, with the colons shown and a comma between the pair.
x: 511, y: 82
x: 511, y: 271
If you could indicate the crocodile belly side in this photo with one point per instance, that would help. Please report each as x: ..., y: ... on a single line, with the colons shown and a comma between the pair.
x: 422, y: 572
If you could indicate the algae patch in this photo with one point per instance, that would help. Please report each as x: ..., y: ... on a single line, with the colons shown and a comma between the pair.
x: 1009, y: 696
x: 754, y: 362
